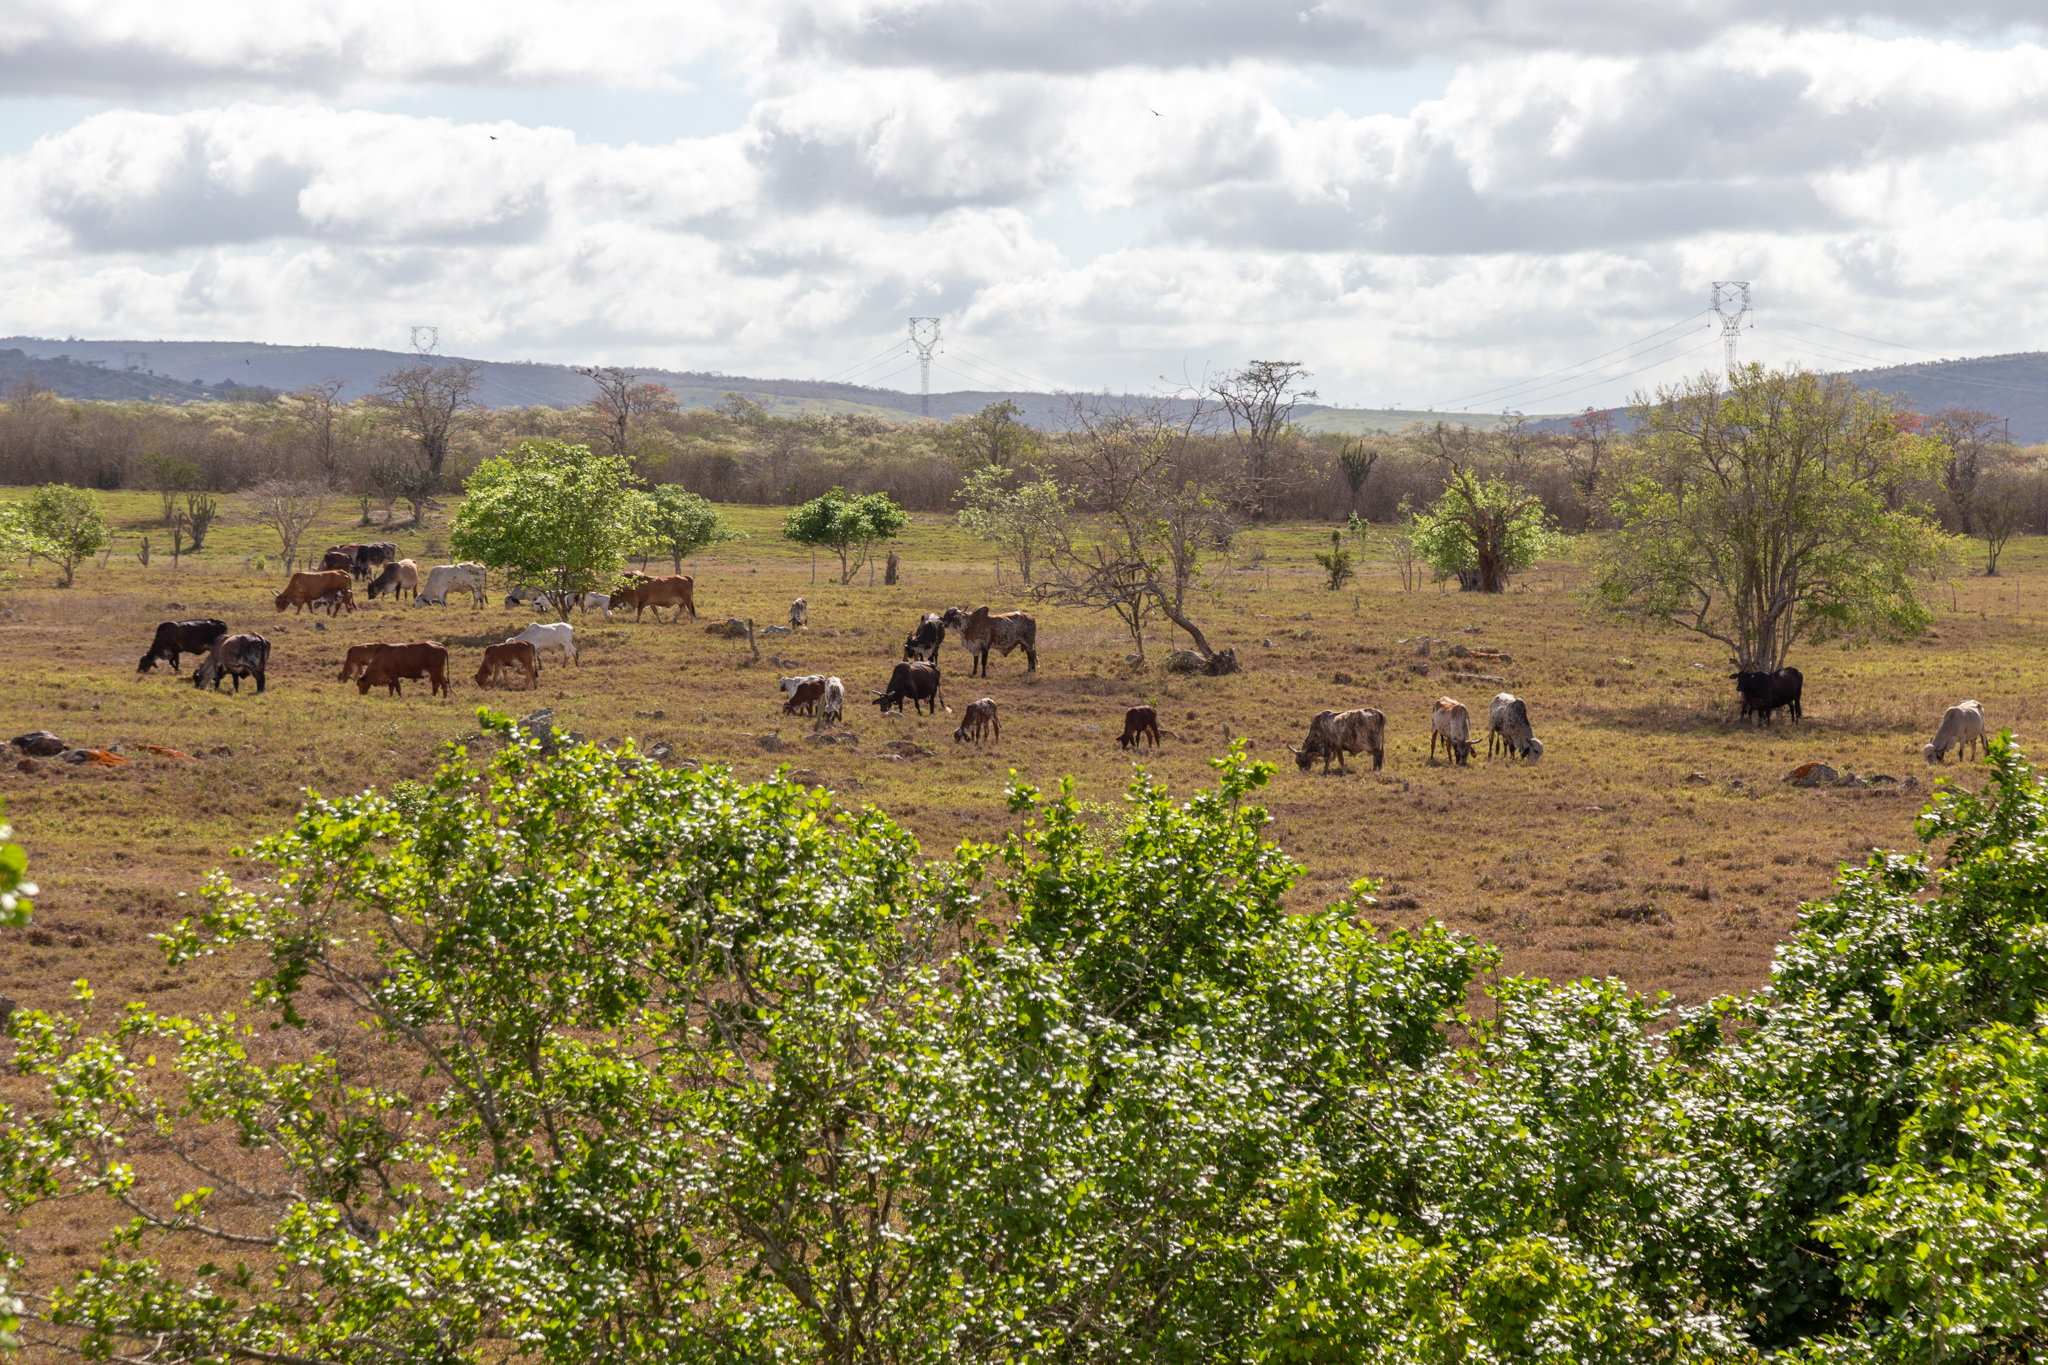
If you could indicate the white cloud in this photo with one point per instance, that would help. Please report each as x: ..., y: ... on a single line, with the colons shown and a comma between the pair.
x: 916, y: 157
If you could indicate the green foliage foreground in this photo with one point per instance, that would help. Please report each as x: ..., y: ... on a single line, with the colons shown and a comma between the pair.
x: 675, y: 1068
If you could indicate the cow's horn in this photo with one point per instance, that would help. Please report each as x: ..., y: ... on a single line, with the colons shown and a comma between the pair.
x: 873, y: 693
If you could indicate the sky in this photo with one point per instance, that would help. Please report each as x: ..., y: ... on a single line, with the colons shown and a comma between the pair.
x: 1478, y: 205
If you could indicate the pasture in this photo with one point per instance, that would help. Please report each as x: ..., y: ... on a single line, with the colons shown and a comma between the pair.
x: 1654, y: 841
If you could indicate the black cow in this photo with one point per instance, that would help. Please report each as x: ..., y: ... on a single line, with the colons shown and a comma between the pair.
x: 237, y: 657
x: 1763, y: 693
x: 924, y: 642
x: 181, y: 637
x: 917, y: 681
x: 373, y: 556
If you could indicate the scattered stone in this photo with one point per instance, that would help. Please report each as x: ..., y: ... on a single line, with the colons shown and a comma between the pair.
x: 98, y: 758
x: 1304, y: 634
x: 1909, y: 783
x: 1477, y: 678
x: 28, y: 765
x: 40, y: 743
x: 846, y: 737
x: 805, y: 777
x: 772, y: 630
x: 1215, y: 666
x: 1848, y: 779
x: 662, y: 750
x: 1303, y: 617
x: 1812, y: 775
x: 903, y: 748
x: 856, y: 632
x: 1419, y: 670
x: 1880, y: 780
x: 656, y: 714
x: 1471, y: 630
x: 162, y: 752
x: 771, y: 741
x: 731, y: 628
x: 1422, y: 650
x: 1699, y: 779
x: 1342, y: 679
x: 319, y: 625
x: 541, y: 725
x: 1460, y: 652
x: 1132, y: 659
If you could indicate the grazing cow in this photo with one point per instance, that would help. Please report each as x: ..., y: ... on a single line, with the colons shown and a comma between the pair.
x: 596, y: 599
x: 1450, y: 722
x: 923, y: 643
x: 799, y: 614
x: 676, y: 591
x: 1333, y: 734
x: 976, y: 721
x: 1962, y: 724
x: 802, y: 695
x: 357, y: 660
x: 310, y: 589
x: 1763, y: 693
x: 181, y: 637
x: 391, y: 664
x: 443, y: 579
x: 917, y: 681
x: 374, y: 556
x: 342, y: 557
x: 1140, y: 723
x: 557, y: 635
x: 237, y: 657
x: 1507, y: 724
x: 400, y: 576
x: 518, y: 654
x: 832, y: 706
x: 983, y: 630
x: 336, y: 600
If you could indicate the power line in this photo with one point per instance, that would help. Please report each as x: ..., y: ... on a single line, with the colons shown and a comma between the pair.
x: 1040, y: 384
x: 1578, y: 365
x: 1860, y: 337
x: 1730, y: 303
x: 841, y: 375
x: 1615, y: 378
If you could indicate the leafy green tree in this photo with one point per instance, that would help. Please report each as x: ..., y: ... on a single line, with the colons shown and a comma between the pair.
x: 1024, y: 521
x: 1480, y: 531
x: 18, y: 539
x: 994, y: 438
x: 1759, y: 513
x: 847, y: 526
x: 680, y: 523
x: 68, y: 523
x: 555, y: 515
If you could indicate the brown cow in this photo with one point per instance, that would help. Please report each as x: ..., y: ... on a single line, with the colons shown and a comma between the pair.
x: 306, y: 589
x: 982, y: 630
x: 1333, y: 734
x: 976, y: 720
x: 677, y: 591
x: 341, y: 557
x: 358, y: 659
x: 511, y: 654
x: 1140, y: 723
x: 803, y: 694
x: 392, y: 663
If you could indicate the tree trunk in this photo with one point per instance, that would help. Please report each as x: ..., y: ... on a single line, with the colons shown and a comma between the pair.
x: 1181, y: 619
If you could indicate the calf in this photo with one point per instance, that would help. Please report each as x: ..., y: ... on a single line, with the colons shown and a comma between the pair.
x: 983, y: 630
x: 181, y: 637
x: 1140, y: 723
x: 917, y: 681
x: 923, y: 643
x: 976, y: 721
x: 674, y: 591
x: 336, y: 600
x: 519, y: 654
x: 599, y: 600
x: 340, y: 558
x: 1333, y: 734
x: 1507, y: 724
x: 399, y: 577
x: 391, y: 664
x: 1763, y: 693
x: 237, y: 657
x: 557, y: 635
x: 1962, y: 724
x: 1450, y: 722
x: 308, y: 589
x: 802, y: 695
x: 799, y: 614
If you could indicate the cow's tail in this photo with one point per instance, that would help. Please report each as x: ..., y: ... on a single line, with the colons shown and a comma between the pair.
x: 1168, y: 733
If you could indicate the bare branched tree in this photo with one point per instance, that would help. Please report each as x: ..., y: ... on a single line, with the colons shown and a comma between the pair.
x: 1152, y: 524
x: 2001, y: 505
x: 430, y: 398
x: 286, y: 506
x: 621, y: 399
x: 316, y: 415
x: 1260, y: 400
x: 1965, y: 435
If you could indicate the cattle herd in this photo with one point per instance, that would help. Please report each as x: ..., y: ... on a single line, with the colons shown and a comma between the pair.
x: 1332, y: 735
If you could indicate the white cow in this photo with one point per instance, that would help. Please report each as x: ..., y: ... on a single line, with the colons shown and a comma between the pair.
x: 833, y: 703
x: 599, y: 601
x: 1961, y: 726
x: 799, y: 614
x: 445, y: 578
x: 560, y: 635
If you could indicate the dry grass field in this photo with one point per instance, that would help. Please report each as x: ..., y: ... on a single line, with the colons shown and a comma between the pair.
x: 1655, y: 840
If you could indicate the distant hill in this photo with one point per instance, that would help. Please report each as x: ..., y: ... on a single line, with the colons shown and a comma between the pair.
x: 196, y: 371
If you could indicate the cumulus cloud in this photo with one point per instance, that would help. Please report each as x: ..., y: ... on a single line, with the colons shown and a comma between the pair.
x: 1579, y: 180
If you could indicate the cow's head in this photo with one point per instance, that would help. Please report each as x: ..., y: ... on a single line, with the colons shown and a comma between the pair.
x: 885, y: 701
x: 1302, y: 756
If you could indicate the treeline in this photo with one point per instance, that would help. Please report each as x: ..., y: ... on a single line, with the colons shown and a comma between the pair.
x: 381, y: 450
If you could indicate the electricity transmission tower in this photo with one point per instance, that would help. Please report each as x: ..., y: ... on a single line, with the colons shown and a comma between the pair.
x: 924, y: 334
x: 426, y: 340
x: 1731, y: 305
